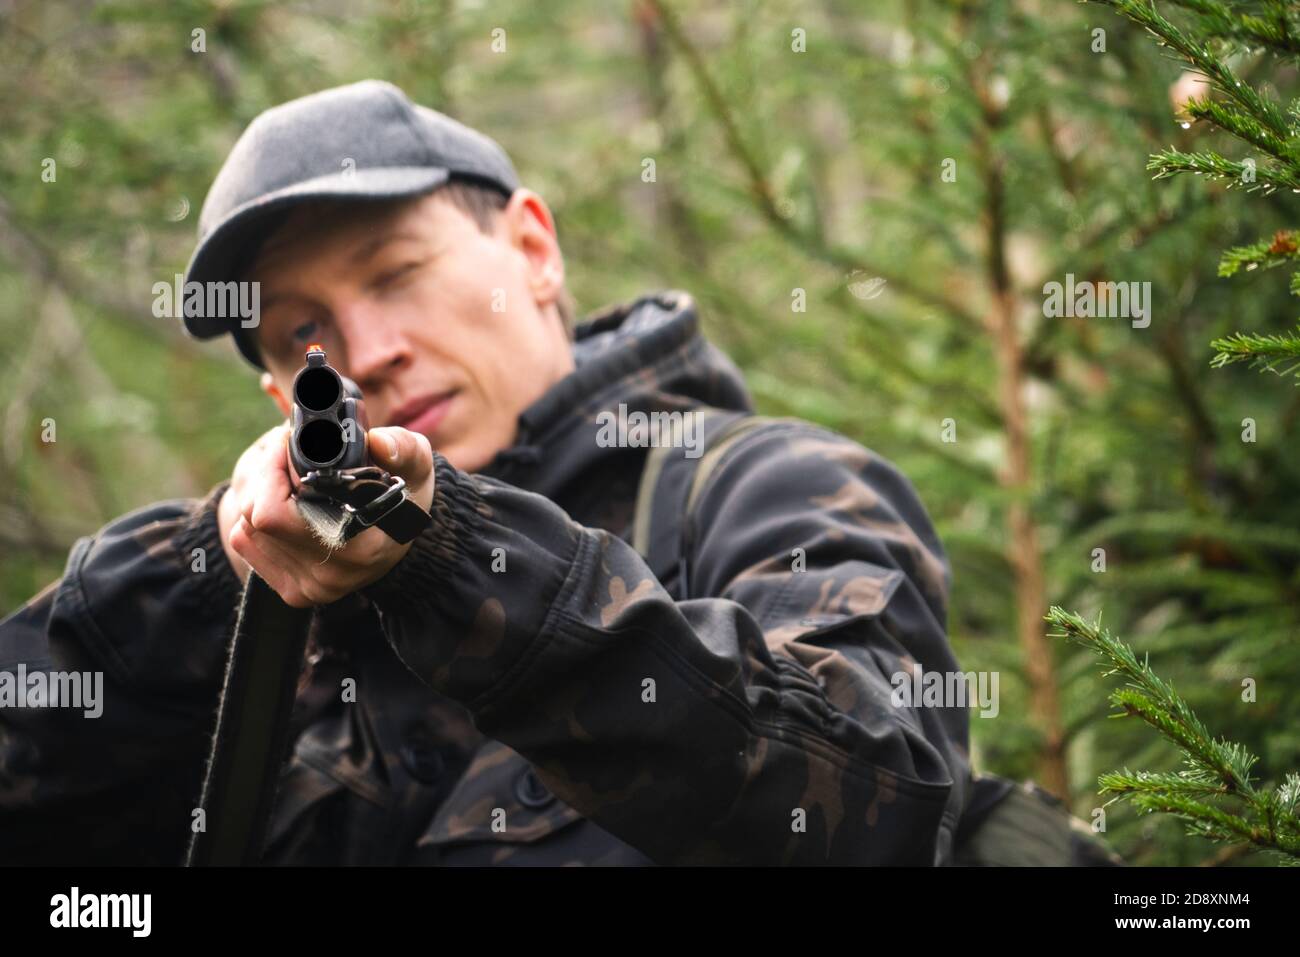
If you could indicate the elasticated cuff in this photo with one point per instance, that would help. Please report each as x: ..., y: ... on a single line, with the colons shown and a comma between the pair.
x: 220, y: 586
x: 436, y: 557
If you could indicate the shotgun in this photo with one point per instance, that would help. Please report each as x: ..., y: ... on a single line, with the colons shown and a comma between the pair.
x: 340, y: 491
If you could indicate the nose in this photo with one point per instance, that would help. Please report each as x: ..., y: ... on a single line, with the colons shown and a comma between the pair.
x: 376, y: 346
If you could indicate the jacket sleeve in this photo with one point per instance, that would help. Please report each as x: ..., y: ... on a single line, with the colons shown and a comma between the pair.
x: 141, y: 614
x: 756, y: 726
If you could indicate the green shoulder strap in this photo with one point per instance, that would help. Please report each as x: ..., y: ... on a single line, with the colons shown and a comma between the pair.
x: 722, y: 430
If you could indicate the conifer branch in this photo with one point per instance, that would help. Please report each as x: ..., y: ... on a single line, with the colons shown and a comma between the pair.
x: 1231, y: 119
x: 1215, y: 797
x: 1279, y: 354
x: 1211, y: 165
x: 1252, y: 117
x: 1279, y: 34
x: 1265, y: 254
x: 1203, y: 60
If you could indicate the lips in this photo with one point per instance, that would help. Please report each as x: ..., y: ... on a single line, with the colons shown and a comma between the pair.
x: 423, y: 414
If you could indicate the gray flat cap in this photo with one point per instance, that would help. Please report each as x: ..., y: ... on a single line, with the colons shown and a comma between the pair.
x: 363, y: 141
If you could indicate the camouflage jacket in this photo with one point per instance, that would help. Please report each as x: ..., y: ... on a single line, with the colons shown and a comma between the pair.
x: 524, y: 688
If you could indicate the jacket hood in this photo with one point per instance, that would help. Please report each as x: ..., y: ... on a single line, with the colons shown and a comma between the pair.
x: 647, y: 355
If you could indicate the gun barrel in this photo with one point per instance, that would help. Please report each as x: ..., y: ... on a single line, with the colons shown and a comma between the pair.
x: 328, y: 419
x: 318, y: 388
x: 321, y: 442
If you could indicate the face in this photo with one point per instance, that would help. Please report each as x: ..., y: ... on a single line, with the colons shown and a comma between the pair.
x: 448, y: 331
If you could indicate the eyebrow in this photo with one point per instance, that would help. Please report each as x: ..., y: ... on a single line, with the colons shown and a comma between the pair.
x: 364, y: 252
x: 266, y: 302
x: 373, y: 245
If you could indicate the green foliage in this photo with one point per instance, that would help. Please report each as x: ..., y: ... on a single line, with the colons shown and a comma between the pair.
x: 1265, y: 253
x: 1234, y: 809
x: 1217, y: 35
x: 1276, y: 353
x: 777, y: 171
x: 1246, y: 113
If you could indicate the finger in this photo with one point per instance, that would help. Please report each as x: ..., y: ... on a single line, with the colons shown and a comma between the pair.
x: 270, y: 441
x: 270, y: 509
x: 362, y: 552
x: 314, y: 572
x: 277, y: 466
x: 402, y: 452
x: 269, y: 506
x: 264, y: 466
x: 274, y: 568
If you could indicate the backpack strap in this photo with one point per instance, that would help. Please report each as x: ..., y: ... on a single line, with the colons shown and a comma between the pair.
x: 1018, y: 824
x: 671, y: 484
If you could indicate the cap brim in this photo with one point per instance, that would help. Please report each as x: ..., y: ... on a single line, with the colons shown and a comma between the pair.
x: 230, y: 243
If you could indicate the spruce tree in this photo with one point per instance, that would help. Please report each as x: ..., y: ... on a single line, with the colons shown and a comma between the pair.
x: 1216, y: 796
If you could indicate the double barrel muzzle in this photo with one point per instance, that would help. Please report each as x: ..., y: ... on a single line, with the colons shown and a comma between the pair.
x: 328, y: 421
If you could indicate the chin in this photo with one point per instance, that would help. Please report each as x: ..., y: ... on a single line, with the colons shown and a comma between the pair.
x: 464, y: 456
x: 476, y: 450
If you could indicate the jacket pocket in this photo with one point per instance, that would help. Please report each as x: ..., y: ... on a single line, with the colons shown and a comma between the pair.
x: 297, y: 819
x: 499, y: 799
x: 328, y: 809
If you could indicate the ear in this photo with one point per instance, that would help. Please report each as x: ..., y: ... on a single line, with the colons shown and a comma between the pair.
x: 273, y: 390
x: 531, y: 229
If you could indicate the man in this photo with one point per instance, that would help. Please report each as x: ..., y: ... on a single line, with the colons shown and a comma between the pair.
x: 518, y: 684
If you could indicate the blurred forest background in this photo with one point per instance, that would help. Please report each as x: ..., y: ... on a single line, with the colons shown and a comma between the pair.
x: 797, y: 146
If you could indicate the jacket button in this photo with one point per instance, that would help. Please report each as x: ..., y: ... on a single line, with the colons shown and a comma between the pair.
x: 531, y: 792
x: 423, y: 761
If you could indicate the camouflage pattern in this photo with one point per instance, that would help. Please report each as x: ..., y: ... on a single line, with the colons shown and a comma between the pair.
x: 501, y: 716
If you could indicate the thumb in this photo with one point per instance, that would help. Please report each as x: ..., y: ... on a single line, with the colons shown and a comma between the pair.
x: 405, y: 453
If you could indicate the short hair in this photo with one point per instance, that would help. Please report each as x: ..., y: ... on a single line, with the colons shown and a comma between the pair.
x: 483, y: 204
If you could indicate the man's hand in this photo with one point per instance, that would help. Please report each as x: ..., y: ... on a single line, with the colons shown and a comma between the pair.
x: 261, y: 527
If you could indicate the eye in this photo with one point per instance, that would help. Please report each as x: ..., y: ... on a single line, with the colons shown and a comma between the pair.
x: 393, y: 275
x: 305, y: 331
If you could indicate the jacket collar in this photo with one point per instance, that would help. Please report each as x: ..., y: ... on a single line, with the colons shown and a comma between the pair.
x: 647, y: 354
